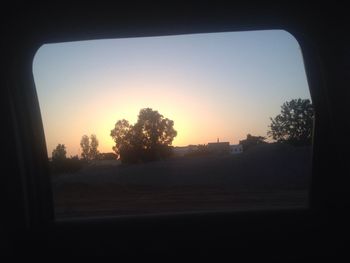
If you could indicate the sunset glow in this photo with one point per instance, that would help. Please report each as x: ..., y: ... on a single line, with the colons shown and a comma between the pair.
x: 218, y: 85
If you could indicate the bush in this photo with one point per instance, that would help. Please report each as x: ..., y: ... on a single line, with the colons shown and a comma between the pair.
x: 68, y: 165
x: 107, y: 156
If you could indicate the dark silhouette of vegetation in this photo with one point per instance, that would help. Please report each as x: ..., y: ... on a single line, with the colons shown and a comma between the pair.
x: 85, y: 147
x: 149, y: 139
x: 197, y: 150
x: 252, y: 141
x: 93, y: 147
x: 59, y: 153
x: 89, y: 147
x: 294, y: 124
x: 107, y: 156
x: 61, y: 164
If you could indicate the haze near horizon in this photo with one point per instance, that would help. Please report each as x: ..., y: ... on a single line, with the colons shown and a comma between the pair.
x: 215, y: 85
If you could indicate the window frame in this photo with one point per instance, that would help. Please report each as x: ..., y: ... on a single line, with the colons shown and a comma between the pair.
x: 34, y: 207
x: 39, y: 192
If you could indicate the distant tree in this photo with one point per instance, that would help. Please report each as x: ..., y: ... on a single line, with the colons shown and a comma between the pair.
x: 149, y: 139
x: 294, y: 124
x: 74, y: 157
x: 89, y: 147
x: 251, y: 141
x: 124, y: 139
x: 93, y: 152
x: 65, y: 165
x: 157, y: 133
x: 61, y: 164
x: 59, y: 153
x: 85, y: 147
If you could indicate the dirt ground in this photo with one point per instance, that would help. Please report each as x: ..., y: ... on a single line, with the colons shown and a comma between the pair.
x: 266, y: 177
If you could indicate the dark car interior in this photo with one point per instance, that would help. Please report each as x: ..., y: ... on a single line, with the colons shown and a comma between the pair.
x: 28, y: 226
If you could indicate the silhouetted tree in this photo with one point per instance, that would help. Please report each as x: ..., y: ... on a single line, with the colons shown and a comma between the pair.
x: 93, y: 152
x: 59, y: 153
x: 149, y: 139
x: 85, y: 147
x: 63, y: 164
x: 122, y: 136
x: 251, y: 141
x: 294, y: 124
x: 89, y: 147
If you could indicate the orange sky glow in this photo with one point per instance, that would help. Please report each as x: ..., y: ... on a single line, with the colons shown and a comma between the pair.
x: 219, y: 85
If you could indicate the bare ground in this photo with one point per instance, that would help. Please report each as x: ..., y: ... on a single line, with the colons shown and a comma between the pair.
x: 267, y: 177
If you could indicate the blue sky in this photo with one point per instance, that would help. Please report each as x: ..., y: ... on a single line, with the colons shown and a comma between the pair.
x: 216, y: 85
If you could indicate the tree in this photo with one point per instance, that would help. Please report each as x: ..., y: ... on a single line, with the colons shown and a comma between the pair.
x: 85, y: 147
x: 59, y: 153
x: 121, y: 135
x: 294, y: 124
x: 93, y: 152
x: 252, y: 141
x: 149, y: 139
x: 89, y: 147
x: 61, y: 164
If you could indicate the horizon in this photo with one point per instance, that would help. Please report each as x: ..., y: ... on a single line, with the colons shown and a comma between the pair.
x: 212, y: 85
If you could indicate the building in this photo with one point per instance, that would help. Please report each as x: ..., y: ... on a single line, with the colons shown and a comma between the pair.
x: 236, y: 149
x: 219, y: 147
x: 252, y: 141
x: 212, y: 148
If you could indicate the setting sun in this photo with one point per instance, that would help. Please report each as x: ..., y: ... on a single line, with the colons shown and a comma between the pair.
x: 218, y: 85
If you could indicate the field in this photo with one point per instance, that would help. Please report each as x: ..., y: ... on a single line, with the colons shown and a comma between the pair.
x: 265, y: 177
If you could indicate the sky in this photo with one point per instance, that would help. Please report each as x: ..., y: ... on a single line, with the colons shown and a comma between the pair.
x: 215, y: 85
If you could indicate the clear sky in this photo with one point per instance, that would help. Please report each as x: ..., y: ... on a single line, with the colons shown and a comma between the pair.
x: 217, y: 85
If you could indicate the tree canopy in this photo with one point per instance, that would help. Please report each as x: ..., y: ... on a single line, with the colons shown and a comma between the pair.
x: 85, y: 147
x: 89, y: 147
x: 93, y: 153
x: 150, y: 138
x: 294, y: 124
x: 61, y: 164
x: 59, y: 153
